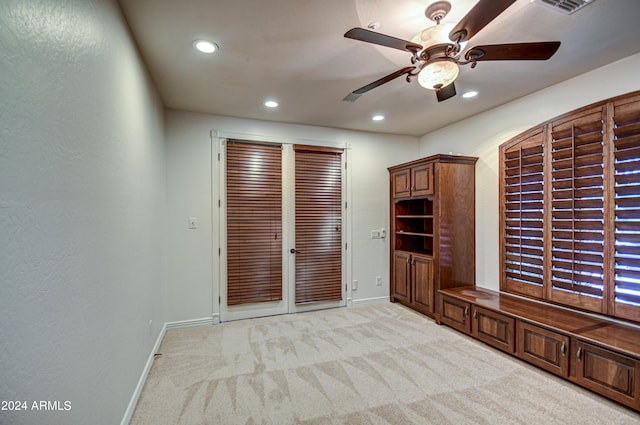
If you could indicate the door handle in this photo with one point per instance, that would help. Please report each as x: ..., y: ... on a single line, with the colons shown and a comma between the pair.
x: 579, y: 354
x: 293, y: 250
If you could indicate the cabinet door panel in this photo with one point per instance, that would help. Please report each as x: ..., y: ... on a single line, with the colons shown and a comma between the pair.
x: 422, y: 180
x: 455, y: 313
x: 543, y: 348
x: 494, y: 329
x: 400, y: 184
x: 608, y: 373
x: 422, y: 275
x: 401, y: 276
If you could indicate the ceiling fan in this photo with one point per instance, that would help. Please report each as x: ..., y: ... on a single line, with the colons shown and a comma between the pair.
x: 436, y: 56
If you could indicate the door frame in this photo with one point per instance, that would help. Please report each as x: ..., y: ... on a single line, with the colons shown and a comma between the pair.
x: 219, y: 231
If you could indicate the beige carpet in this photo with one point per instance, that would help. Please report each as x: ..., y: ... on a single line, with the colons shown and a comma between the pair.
x: 376, y: 364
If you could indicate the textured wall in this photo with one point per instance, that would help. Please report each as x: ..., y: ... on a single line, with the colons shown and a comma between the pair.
x: 82, y: 207
x: 193, y: 276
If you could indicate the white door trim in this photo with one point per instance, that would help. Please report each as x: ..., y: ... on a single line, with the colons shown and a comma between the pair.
x: 219, y: 238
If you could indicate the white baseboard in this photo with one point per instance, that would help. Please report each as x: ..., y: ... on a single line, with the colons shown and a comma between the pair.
x: 213, y: 320
x: 128, y: 414
x: 366, y: 301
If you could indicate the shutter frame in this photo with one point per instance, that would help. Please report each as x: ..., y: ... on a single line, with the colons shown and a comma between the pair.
x: 522, y: 213
x: 592, y: 208
x: 625, y: 159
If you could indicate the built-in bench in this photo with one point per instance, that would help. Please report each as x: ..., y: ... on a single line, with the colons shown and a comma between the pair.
x: 595, y: 352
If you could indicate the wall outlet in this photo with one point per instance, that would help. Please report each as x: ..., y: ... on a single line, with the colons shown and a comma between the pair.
x: 354, y: 285
x: 378, y: 280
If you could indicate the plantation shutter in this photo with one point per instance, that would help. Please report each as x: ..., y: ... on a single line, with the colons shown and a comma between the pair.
x: 626, y: 151
x: 254, y: 223
x: 577, y: 211
x: 522, y: 215
x: 318, y: 224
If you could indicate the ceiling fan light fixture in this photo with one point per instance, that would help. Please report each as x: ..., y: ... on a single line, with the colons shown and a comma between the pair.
x: 437, y: 34
x: 438, y: 74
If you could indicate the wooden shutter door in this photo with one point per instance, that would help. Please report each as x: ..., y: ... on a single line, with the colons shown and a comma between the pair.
x: 626, y: 150
x: 318, y: 224
x: 254, y: 223
x: 577, y: 211
x: 522, y: 215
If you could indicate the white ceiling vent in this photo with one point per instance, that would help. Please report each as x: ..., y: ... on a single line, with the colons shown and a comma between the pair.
x: 566, y: 7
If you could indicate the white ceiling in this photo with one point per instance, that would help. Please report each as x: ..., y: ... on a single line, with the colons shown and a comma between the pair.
x: 294, y: 51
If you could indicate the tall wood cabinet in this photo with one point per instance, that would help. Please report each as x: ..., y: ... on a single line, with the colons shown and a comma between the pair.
x: 432, y: 229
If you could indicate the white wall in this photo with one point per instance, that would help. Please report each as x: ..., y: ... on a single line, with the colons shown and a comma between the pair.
x: 192, y: 284
x: 482, y: 134
x: 82, y: 202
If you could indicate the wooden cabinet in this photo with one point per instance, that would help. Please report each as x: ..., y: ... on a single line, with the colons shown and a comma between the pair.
x: 422, y: 180
x: 455, y: 313
x: 594, y: 352
x: 422, y: 280
x: 607, y: 372
x: 413, y: 280
x: 401, y: 281
x: 432, y: 229
x: 412, y: 181
x: 543, y: 348
x: 494, y: 329
x: 401, y: 184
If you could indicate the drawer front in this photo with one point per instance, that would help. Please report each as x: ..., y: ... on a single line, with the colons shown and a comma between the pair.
x: 494, y: 329
x: 608, y: 373
x: 455, y: 313
x: 541, y: 347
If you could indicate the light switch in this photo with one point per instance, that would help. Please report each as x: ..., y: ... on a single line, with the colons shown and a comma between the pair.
x: 193, y: 222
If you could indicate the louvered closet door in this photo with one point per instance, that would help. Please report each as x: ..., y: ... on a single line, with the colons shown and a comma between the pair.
x: 577, y: 215
x: 318, y: 225
x: 254, y: 223
x: 626, y: 151
x: 523, y: 215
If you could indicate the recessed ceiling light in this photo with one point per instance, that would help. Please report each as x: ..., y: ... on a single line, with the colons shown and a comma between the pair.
x: 377, y: 117
x: 271, y: 104
x: 205, y: 46
x: 470, y: 94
